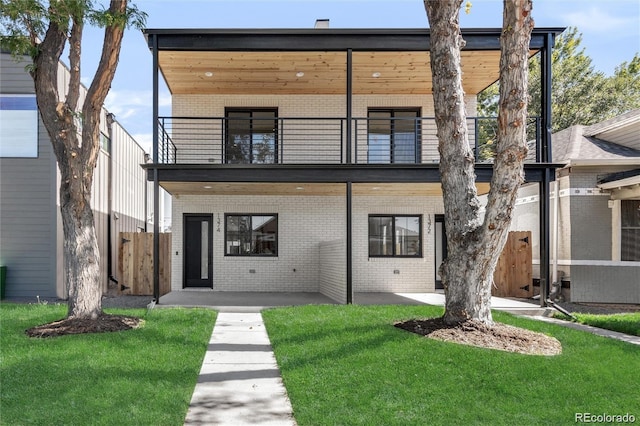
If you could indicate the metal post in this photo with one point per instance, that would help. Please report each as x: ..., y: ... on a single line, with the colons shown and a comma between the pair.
x: 349, y: 247
x: 544, y: 238
x: 349, y: 101
x: 156, y: 186
x: 545, y: 89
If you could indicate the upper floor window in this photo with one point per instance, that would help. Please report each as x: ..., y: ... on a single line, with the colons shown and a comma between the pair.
x: 394, y: 135
x: 251, y: 136
x: 18, y: 126
x: 105, y: 143
x: 395, y: 236
x: 630, y: 230
x: 251, y: 235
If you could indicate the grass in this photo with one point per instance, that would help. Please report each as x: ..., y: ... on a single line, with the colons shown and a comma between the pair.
x: 144, y: 376
x: 628, y: 323
x: 348, y: 365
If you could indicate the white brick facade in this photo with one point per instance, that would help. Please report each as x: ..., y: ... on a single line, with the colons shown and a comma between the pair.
x: 303, y: 223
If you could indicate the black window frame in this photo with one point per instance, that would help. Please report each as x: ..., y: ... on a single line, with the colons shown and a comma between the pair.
x: 251, y: 252
x: 250, y: 111
x: 392, y: 124
x: 393, y: 232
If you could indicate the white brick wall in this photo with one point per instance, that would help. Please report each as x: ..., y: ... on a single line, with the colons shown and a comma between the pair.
x: 303, y: 223
x: 333, y: 270
x: 377, y: 274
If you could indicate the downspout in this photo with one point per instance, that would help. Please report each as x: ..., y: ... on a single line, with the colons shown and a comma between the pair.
x: 556, y: 228
x: 110, y: 216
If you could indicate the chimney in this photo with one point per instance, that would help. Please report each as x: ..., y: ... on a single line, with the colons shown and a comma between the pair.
x: 321, y: 23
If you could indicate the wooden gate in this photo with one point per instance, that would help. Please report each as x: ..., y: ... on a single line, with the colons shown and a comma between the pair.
x: 135, y: 260
x: 513, y: 274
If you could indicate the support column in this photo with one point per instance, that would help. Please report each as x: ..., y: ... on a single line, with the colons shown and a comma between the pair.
x: 549, y: 174
x: 349, y: 90
x: 156, y: 186
x: 349, y: 246
x: 545, y: 258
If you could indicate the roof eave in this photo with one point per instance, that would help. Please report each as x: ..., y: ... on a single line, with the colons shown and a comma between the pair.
x: 403, y: 39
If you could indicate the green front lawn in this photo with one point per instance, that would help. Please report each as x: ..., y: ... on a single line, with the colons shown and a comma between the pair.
x: 348, y: 365
x: 624, y: 323
x: 144, y: 376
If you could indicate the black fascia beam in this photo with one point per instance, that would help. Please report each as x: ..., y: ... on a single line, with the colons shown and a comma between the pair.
x: 366, y: 173
x: 325, y: 40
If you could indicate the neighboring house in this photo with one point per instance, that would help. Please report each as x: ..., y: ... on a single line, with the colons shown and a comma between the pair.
x: 306, y: 160
x: 595, y: 229
x: 31, y: 236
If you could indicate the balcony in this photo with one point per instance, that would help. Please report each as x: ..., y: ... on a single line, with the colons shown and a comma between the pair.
x: 289, y: 141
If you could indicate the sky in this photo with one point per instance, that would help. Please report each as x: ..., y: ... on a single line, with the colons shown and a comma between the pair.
x: 610, y: 35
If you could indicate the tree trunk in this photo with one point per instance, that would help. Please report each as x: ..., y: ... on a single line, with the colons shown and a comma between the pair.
x: 76, y: 156
x: 81, y: 254
x: 474, y: 245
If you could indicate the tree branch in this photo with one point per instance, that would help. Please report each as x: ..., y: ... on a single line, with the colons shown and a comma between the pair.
x: 97, y: 93
x: 75, y: 46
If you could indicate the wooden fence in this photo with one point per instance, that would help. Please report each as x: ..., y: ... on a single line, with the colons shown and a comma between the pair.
x: 513, y: 274
x: 135, y: 260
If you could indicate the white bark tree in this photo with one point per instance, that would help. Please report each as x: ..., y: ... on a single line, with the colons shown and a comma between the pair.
x: 474, y: 243
x: 42, y: 30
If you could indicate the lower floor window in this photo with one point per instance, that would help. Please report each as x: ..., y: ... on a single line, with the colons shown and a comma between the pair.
x: 395, y: 235
x: 251, y: 235
x: 630, y: 230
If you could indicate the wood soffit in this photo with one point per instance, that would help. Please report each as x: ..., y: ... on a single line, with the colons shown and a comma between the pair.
x: 325, y: 72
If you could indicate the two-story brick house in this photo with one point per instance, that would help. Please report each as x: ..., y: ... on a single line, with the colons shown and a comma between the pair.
x: 307, y: 160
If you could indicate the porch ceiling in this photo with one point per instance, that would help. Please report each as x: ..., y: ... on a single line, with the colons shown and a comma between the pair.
x: 309, y: 189
x: 268, y: 72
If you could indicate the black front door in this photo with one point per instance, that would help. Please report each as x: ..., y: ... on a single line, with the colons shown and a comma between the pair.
x: 441, y: 247
x: 198, y: 235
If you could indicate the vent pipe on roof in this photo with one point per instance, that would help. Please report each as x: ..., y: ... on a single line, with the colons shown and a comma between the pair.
x: 321, y: 23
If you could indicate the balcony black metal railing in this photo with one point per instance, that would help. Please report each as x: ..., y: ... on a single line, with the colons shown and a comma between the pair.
x: 192, y: 140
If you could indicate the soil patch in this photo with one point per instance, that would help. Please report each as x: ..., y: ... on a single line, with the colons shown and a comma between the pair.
x: 103, y: 324
x: 475, y: 333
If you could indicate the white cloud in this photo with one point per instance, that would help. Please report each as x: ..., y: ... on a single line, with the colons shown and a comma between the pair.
x: 145, y: 140
x: 128, y: 103
x: 596, y: 19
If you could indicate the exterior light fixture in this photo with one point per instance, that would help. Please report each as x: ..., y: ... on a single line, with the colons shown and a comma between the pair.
x: 299, y: 188
x: 207, y: 187
x: 375, y: 74
x: 208, y: 74
x: 299, y: 74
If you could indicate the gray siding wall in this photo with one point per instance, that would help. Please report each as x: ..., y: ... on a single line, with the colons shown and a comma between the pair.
x: 605, y: 284
x: 31, y: 239
x: 28, y: 191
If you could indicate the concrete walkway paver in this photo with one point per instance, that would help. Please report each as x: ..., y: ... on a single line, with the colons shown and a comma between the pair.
x: 239, y: 382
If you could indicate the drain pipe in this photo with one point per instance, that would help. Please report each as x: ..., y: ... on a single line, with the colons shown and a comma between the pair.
x: 110, y: 216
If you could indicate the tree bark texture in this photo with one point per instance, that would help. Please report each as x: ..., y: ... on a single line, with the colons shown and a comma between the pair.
x: 474, y: 244
x: 77, y: 156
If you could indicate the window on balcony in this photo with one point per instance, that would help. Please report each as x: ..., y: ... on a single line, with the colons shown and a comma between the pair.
x: 394, y: 136
x: 630, y: 230
x: 251, y: 235
x: 395, y: 236
x: 251, y: 136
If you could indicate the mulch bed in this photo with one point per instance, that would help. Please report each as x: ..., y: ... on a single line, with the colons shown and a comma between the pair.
x: 475, y: 333
x: 103, y: 324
